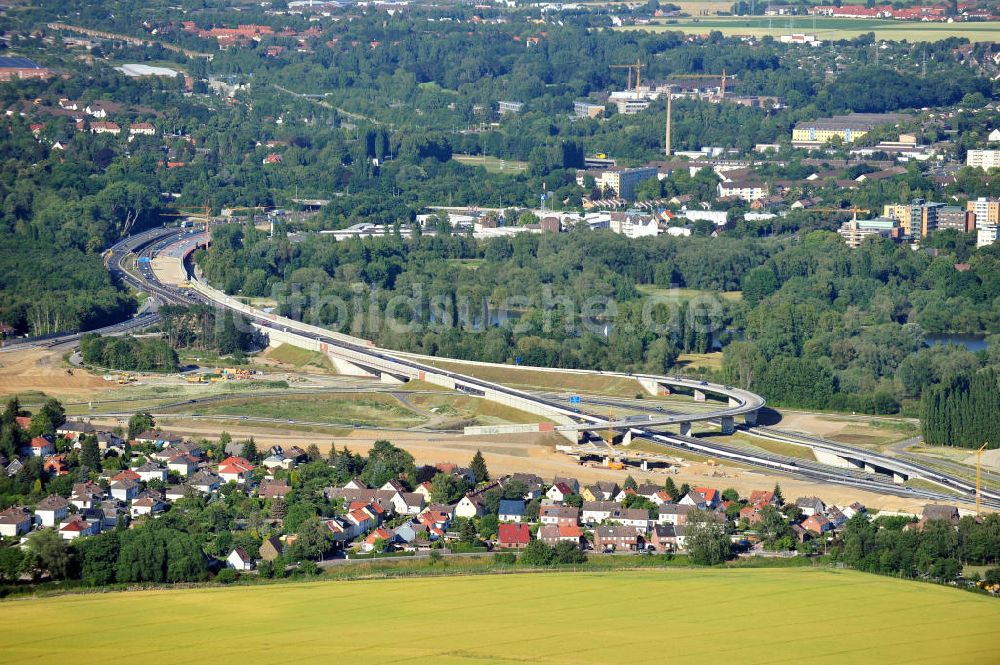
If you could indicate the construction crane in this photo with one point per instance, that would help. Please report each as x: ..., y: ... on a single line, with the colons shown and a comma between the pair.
x: 854, y: 211
x: 638, y: 73
x: 723, y: 76
x: 613, y: 461
x: 203, y: 209
x: 979, y: 472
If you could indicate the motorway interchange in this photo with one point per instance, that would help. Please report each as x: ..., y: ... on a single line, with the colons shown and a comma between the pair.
x: 870, y: 473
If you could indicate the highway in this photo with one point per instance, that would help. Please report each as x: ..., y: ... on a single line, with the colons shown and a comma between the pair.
x: 181, y: 243
x: 114, y: 259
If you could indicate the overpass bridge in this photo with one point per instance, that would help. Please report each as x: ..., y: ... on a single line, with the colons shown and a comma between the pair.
x: 353, y: 355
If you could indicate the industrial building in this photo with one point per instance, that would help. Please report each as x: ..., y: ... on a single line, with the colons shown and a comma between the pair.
x: 848, y: 128
x: 13, y: 68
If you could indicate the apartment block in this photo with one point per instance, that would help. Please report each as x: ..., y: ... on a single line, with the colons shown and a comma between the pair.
x: 983, y: 159
x: 855, y: 231
x: 623, y: 181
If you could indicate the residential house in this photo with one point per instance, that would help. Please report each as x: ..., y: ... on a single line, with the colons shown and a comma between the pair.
x: 762, y: 498
x: 712, y: 496
x: 124, y: 490
x: 633, y: 517
x: 147, y: 504
x: 471, y: 505
x: 126, y: 474
x: 595, y: 512
x: 56, y: 465
x: 86, y: 495
x: 235, y: 470
x: 12, y: 469
x: 674, y: 513
x: 553, y: 534
x: 381, y: 533
x: 279, y: 461
x: 105, y: 128
x: 817, y: 524
x: 600, y: 491
x: 941, y: 512
x: 810, y: 505
x: 559, y: 492
x: 511, y: 510
x: 15, y: 521
x: 751, y: 514
x: 565, y: 515
x: 273, y: 489
x: 72, y: 430
x: 205, y: 482
x: 271, y: 549
x: 836, y: 516
x: 182, y: 464
x: 666, y: 537
x: 76, y: 527
x: 51, y: 510
x: 572, y: 483
x: 350, y: 495
x: 424, y: 490
x: 513, y: 536
x: 151, y: 471
x: 141, y: 129
x: 112, y: 513
x: 178, y: 492
x: 617, y: 538
x: 694, y: 499
x: 157, y: 438
x: 852, y: 510
x: 407, y: 503
x: 41, y: 446
x: 393, y: 485
x: 534, y: 484
x: 238, y: 559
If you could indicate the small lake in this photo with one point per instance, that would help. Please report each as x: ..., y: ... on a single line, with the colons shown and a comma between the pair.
x: 971, y: 342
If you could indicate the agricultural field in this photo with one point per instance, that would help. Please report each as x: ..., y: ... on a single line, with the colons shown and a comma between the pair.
x: 782, y: 616
x: 827, y: 28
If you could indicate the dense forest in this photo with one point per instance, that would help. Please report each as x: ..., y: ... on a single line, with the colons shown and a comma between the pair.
x: 128, y: 353
x: 963, y: 412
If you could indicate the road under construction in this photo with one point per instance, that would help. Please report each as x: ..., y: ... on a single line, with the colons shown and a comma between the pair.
x: 580, y: 424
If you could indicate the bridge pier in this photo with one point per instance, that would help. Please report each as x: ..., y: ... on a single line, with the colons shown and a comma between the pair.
x: 685, y: 429
x: 644, y: 465
x: 727, y: 425
x: 651, y: 386
x: 899, y: 478
x: 627, y: 437
x: 750, y: 418
x: 699, y: 395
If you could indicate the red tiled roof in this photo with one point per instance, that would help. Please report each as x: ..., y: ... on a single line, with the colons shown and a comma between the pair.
x: 514, y: 534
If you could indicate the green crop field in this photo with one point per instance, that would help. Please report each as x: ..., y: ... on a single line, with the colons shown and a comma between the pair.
x: 828, y: 28
x: 492, y: 164
x: 685, y: 616
x: 374, y: 409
